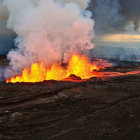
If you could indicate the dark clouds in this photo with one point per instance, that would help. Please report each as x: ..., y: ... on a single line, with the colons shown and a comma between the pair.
x: 131, y: 12
x: 116, y: 15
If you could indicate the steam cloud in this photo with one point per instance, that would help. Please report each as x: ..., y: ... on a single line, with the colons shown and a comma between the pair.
x: 47, y: 31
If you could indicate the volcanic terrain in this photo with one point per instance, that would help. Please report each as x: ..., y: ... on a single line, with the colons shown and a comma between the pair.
x: 95, y: 109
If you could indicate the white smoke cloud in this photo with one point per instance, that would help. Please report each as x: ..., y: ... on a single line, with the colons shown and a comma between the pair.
x: 4, y: 12
x: 82, y: 3
x: 47, y: 30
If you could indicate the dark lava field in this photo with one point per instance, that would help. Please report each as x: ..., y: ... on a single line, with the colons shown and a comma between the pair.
x: 95, y: 109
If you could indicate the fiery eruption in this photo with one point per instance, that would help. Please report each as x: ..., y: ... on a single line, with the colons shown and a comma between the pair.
x: 78, y: 68
x: 78, y: 65
x: 48, y: 30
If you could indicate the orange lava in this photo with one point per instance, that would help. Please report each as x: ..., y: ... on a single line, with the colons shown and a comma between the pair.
x: 115, y: 74
x: 78, y: 65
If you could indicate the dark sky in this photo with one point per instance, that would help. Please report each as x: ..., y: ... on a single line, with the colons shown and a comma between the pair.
x: 115, y: 15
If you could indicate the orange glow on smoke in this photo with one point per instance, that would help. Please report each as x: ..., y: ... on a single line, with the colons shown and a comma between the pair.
x: 78, y: 65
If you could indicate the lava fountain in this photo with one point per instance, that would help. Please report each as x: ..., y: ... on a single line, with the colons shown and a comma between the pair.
x: 78, y: 65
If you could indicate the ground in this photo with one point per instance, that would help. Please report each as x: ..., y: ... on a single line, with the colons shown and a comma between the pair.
x: 95, y: 109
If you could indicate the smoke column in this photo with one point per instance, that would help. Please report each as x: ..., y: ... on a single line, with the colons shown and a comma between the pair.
x: 47, y: 31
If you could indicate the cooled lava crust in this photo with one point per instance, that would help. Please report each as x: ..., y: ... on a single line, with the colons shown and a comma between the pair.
x: 95, y: 109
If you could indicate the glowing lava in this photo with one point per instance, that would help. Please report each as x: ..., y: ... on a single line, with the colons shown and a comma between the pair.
x: 78, y: 65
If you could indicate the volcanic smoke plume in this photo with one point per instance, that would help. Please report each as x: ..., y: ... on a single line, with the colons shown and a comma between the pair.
x: 47, y: 31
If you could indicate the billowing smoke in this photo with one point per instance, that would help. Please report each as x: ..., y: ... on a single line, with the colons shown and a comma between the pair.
x: 47, y: 31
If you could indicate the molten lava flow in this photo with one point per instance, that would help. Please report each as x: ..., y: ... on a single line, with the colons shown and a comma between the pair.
x: 78, y: 65
x: 78, y: 68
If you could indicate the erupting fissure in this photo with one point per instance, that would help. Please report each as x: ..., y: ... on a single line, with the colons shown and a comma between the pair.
x: 78, y: 65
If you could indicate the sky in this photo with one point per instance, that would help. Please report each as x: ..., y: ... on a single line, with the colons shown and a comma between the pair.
x: 117, y: 24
